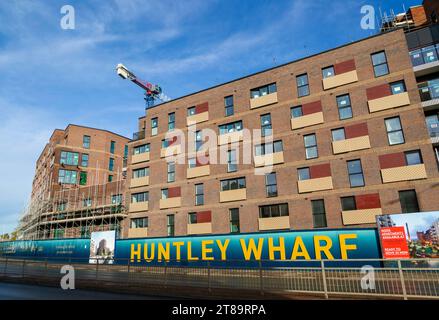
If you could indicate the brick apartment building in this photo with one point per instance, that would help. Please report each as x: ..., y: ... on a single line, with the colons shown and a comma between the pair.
x: 355, y: 133
x: 79, y: 178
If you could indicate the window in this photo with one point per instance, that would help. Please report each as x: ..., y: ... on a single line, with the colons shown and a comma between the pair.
x: 192, y: 163
x: 234, y: 220
x: 116, y: 199
x: 263, y: 91
x: 409, y: 201
x: 311, y: 151
x: 84, y: 160
x: 86, y: 142
x: 344, y: 107
x: 328, y: 72
x: 191, y: 111
x: 111, y: 164
x: 140, y: 173
x: 395, y: 135
x: 140, y: 197
x: 413, y: 157
x: 137, y: 223
x: 67, y: 176
x: 112, y: 146
x: 271, y: 184
x: 269, y: 148
x: 141, y: 149
x: 170, y: 223
x: 296, y: 112
x: 232, y: 164
x: 303, y: 174
x: 338, y: 134
x: 230, y: 127
x: 379, y: 61
x: 87, y: 203
x: 83, y: 178
x: 348, y: 204
x: 232, y: 184
x: 199, y: 194
x: 69, y: 158
x: 228, y: 104
x: 398, y: 87
x: 154, y: 126
x: 355, y: 171
x: 62, y: 206
x: 319, y: 213
x: 192, y: 218
x: 274, y: 210
x: 302, y: 85
x: 198, y: 140
x: 165, y: 193
x: 171, y: 171
x: 125, y: 152
x: 110, y: 178
x: 266, y: 125
x: 171, y: 121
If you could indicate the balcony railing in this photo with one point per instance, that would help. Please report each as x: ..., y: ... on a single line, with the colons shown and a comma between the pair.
x: 425, y: 55
x: 430, y: 92
x: 433, y: 129
x: 139, y: 135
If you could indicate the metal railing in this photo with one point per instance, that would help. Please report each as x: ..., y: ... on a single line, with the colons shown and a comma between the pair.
x: 425, y: 55
x: 139, y: 135
x: 404, y: 279
x: 430, y: 92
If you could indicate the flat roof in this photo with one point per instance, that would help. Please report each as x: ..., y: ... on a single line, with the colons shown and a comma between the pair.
x: 92, y: 128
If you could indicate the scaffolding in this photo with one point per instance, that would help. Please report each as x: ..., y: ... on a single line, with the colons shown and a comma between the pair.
x: 391, y: 21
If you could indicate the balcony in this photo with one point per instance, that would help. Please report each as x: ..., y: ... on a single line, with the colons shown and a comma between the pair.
x: 318, y: 184
x: 433, y: 130
x: 137, y: 232
x: 139, y: 182
x: 230, y: 137
x: 429, y: 95
x: 269, y: 159
x: 389, y: 102
x: 197, y: 118
x: 141, y: 157
x: 353, y: 144
x: 139, y: 135
x: 233, y: 195
x: 139, y: 206
x: 274, y: 223
x: 340, y: 80
x: 199, y: 228
x: 365, y: 216
x: 169, y: 203
x: 170, y: 151
x: 405, y: 173
x: 426, y: 60
x: 198, y: 172
x: 263, y: 100
x: 307, y: 120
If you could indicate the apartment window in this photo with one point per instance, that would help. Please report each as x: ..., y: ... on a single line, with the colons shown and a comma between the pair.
x: 269, y: 148
x: 296, y: 112
x: 271, y: 184
x: 111, y: 164
x: 170, y: 223
x: 69, y: 158
x: 154, y: 126
x: 230, y: 127
x: 192, y: 163
x: 398, y: 87
x: 140, y: 173
x: 233, y: 184
x: 234, y: 220
x: 171, y: 171
x: 344, y: 107
x: 141, y: 149
x: 112, y: 146
x: 409, y: 201
x: 110, y: 178
x: 266, y: 129
x: 228, y: 104
x: 311, y: 151
x: 413, y: 157
x: 274, y: 210
x: 192, y: 218
x: 302, y: 85
x: 379, y: 61
x: 165, y: 143
x: 86, y: 142
x: 87, y: 203
x: 395, y: 135
x: 84, y: 160
x: 355, y: 171
x: 165, y: 193
x: 67, y: 176
x: 319, y: 213
x: 338, y: 134
x: 199, y: 194
x: 232, y: 165
x: 263, y: 91
x: 198, y: 140
x: 116, y: 199
x: 171, y: 121
x: 328, y: 72
x: 83, y: 178
x: 303, y: 174
x: 140, y: 197
x: 191, y: 111
x: 138, y: 223
x: 348, y: 204
x: 125, y: 152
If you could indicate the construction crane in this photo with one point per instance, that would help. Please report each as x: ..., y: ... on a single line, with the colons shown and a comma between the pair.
x: 153, y: 93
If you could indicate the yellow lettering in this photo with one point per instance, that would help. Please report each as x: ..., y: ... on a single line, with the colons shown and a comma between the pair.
x: 223, y: 248
x: 280, y: 248
x: 135, y: 252
x: 189, y: 252
x: 319, y: 248
x: 163, y: 252
x: 298, y: 244
x: 251, y: 249
x: 145, y: 252
x: 205, y: 250
x: 178, y: 246
x: 345, y: 247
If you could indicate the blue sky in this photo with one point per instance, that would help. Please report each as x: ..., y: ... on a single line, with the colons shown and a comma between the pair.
x: 51, y: 77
